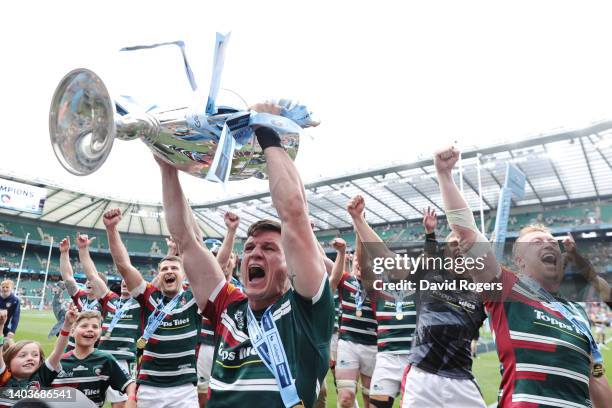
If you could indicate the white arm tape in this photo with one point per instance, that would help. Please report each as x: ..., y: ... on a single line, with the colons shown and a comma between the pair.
x: 463, y: 217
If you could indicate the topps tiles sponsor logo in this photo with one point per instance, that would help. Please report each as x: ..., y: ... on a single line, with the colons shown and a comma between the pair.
x: 232, y: 355
x: 553, y: 321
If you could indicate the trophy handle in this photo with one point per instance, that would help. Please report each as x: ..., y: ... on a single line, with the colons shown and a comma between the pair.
x: 81, y: 122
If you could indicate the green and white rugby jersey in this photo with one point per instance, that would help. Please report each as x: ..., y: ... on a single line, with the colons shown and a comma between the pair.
x: 122, y: 341
x: 169, y: 357
x: 92, y: 375
x: 545, y: 361
x: 239, y: 377
x: 394, y: 334
x: 358, y: 329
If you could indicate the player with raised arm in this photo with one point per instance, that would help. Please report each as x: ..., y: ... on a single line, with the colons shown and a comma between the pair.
x: 121, y: 319
x: 546, y: 349
x: 356, y: 354
x: 171, y: 323
x: 83, y: 299
x: 395, y: 314
x: 292, y: 318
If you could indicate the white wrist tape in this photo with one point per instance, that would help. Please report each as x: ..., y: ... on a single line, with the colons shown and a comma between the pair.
x: 463, y: 217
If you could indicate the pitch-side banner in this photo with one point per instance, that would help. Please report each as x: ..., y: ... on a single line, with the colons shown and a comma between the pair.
x: 22, y: 197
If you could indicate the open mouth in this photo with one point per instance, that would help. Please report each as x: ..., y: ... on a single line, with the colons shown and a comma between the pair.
x: 89, y: 336
x: 169, y: 279
x: 549, y: 258
x: 256, y: 272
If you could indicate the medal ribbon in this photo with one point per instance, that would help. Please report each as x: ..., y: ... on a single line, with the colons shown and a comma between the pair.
x: 269, y: 346
x: 577, y: 323
x: 159, y: 314
x: 119, y: 314
x: 359, y: 296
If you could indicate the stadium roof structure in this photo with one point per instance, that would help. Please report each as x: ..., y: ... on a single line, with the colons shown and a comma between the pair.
x: 562, y: 167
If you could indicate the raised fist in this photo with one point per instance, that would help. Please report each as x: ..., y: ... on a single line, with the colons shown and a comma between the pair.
x: 232, y: 220
x: 112, y: 218
x: 339, y: 244
x: 356, y: 206
x: 445, y: 159
x: 83, y: 241
x: 64, y: 245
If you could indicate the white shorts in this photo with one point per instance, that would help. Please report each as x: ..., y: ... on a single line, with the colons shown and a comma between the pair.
x: 333, y: 347
x: 356, y: 356
x: 204, y: 366
x: 181, y: 396
x: 113, y: 396
x: 388, y: 373
x: 424, y: 390
x: 599, y: 329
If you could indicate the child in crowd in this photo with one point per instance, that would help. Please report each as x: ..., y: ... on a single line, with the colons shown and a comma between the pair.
x: 23, y: 365
x: 90, y: 370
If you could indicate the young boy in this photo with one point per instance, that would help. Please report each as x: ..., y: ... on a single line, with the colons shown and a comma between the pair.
x: 92, y: 371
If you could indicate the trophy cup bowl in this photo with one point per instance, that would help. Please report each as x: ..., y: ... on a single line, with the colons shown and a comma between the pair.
x: 84, y: 120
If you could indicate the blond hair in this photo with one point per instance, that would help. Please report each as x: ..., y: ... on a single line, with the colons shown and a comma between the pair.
x: 10, y: 282
x: 528, y: 230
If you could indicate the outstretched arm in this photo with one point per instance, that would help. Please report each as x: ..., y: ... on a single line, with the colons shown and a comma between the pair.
x: 66, y: 268
x: 232, y: 221
x: 200, y: 265
x: 460, y: 218
x: 98, y: 286
x: 121, y: 258
x: 289, y: 198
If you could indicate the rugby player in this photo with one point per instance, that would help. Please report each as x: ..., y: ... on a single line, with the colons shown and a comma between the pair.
x: 296, y: 313
x: 440, y: 354
x: 543, y: 341
x: 95, y: 284
x: 356, y: 350
x: 166, y: 374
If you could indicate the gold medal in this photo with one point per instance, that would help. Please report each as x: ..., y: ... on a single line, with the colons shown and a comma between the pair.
x: 141, y: 343
x: 399, y: 316
x: 358, y: 313
x: 598, y: 370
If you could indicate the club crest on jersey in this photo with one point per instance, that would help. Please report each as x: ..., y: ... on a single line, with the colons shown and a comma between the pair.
x: 34, y: 385
x: 239, y: 318
x: 8, y: 304
x: 183, y: 301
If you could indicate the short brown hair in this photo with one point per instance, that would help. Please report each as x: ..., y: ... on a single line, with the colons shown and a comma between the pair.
x: 527, y: 230
x: 263, y: 225
x: 172, y: 258
x: 88, y: 314
x: 14, y: 349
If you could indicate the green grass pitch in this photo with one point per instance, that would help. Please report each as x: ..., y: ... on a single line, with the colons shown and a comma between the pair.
x: 35, y: 325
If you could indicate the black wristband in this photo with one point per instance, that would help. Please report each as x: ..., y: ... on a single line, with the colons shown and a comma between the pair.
x: 267, y: 138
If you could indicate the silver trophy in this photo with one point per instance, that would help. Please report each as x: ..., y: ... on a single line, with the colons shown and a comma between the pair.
x: 213, y: 142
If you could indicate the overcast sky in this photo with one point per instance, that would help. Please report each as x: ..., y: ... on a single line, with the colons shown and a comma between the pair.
x: 390, y: 80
